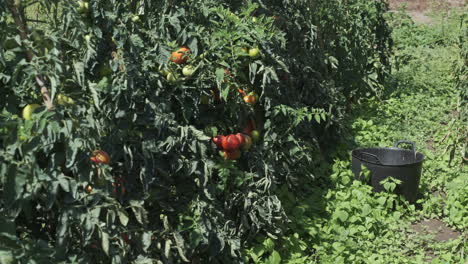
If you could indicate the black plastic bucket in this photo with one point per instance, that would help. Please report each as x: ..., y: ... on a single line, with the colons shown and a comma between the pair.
x: 402, y: 164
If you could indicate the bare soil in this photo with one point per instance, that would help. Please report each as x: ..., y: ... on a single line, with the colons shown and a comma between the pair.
x: 424, y: 5
x: 418, y: 9
x: 437, y: 228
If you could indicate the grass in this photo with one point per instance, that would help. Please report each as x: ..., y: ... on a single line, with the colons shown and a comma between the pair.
x: 342, y: 221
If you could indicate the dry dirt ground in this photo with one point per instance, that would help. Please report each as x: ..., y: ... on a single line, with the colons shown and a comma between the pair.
x: 419, y: 9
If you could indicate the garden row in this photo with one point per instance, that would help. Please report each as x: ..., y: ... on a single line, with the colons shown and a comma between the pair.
x: 114, y: 113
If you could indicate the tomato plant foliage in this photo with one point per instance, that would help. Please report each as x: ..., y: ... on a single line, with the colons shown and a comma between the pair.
x: 166, y: 195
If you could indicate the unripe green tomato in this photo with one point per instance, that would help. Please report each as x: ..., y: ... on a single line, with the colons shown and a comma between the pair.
x: 135, y: 18
x: 83, y: 7
x: 64, y: 100
x: 172, y: 78
x: 203, y: 55
x: 162, y: 70
x: 10, y: 44
x: 88, y: 38
x: 188, y: 70
x: 61, y: 99
x: 254, y: 19
x: 254, y: 53
x: 21, y: 134
x: 234, y: 16
x: 204, y: 99
x: 255, y: 136
x: 29, y: 110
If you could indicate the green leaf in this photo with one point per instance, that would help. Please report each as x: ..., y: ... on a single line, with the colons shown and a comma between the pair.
x: 139, y: 212
x: 381, y: 200
x: 317, y: 118
x: 123, y: 217
x: 105, y: 241
x: 7, y: 227
x: 269, y: 244
x: 219, y: 75
x: 366, y: 209
x: 342, y: 215
x: 6, y: 257
x: 274, y: 258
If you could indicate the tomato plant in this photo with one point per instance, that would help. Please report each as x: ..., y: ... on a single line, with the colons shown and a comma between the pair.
x: 116, y: 70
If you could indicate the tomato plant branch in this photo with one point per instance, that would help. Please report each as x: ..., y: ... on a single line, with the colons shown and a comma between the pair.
x: 18, y: 15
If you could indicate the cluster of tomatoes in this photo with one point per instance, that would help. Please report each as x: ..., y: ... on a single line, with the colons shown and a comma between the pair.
x: 230, y: 146
x: 180, y: 56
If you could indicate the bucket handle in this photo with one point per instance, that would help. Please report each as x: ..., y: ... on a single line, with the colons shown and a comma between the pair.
x: 370, y: 155
x: 413, y: 145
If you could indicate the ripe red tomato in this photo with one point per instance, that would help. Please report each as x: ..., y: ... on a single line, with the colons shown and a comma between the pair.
x: 218, y: 141
x: 231, y: 155
x: 230, y: 143
x: 180, y: 56
x: 89, y: 188
x: 241, y: 139
x: 249, y: 99
x: 254, y: 95
x: 100, y: 156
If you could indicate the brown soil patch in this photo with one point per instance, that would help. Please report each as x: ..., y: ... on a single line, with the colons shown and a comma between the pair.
x: 418, y: 9
x: 437, y: 228
x: 424, y: 5
x: 439, y: 194
x: 430, y: 144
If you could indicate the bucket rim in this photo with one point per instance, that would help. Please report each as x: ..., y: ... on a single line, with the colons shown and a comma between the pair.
x: 418, y: 162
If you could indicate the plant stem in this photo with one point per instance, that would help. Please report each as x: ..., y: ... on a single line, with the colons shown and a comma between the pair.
x: 18, y: 15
